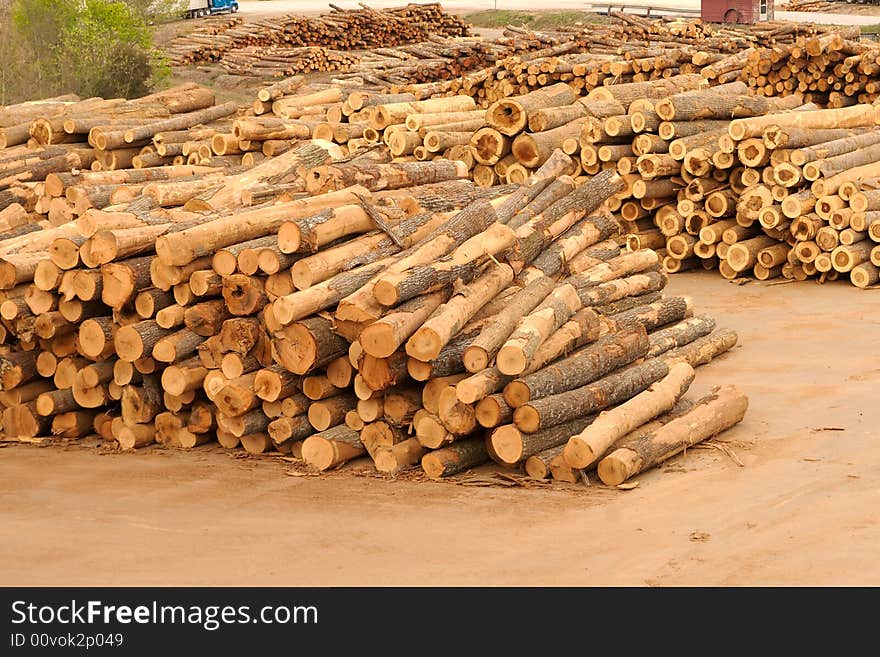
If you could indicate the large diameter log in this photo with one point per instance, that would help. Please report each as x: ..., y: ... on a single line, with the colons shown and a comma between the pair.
x: 308, y: 344
x: 458, y: 457
x: 512, y: 446
x: 590, y: 444
x: 724, y: 408
x: 613, y: 389
x: 588, y: 364
x: 332, y: 447
x: 510, y: 115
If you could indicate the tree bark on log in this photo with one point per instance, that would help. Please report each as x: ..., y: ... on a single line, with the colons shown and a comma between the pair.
x: 593, y: 442
x: 512, y: 446
x: 456, y: 458
x: 332, y: 447
x: 565, y: 406
x: 711, y: 415
x: 588, y: 364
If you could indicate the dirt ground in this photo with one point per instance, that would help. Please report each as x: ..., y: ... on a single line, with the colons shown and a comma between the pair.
x: 802, y: 510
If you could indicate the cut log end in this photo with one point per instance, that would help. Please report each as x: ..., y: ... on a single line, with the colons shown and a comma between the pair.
x: 506, y: 443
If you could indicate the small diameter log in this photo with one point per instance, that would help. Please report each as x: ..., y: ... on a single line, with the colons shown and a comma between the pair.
x: 332, y: 447
x: 395, y: 459
x: 284, y: 429
x: 456, y: 458
x: 588, y: 364
x: 275, y: 383
x: 583, y: 327
x: 177, y: 346
x: 460, y: 419
x: 519, y: 349
x: 538, y: 465
x: 591, y: 444
x: 135, y: 341
x: 401, y: 404
x: 702, y: 350
x: 331, y: 411
x: 54, y: 402
x: 382, y: 373
x: 480, y: 385
x: 244, y: 295
x: 433, y: 388
x: 180, y: 378
x: 717, y: 412
x: 427, y: 342
x: 493, y: 335
x: 680, y: 334
x: 318, y: 387
x: 136, y: 436
x: 383, y: 337
x: 237, y: 397
x: 493, y: 411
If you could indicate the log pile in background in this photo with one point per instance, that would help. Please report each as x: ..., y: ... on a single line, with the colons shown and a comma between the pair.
x: 341, y: 29
x: 835, y: 69
x: 811, y: 5
x: 588, y: 57
x: 354, y: 322
x: 98, y: 134
x: 278, y: 61
x: 201, y: 44
x: 786, y: 189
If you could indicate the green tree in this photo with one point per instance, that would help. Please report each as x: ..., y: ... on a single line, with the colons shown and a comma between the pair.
x: 88, y: 47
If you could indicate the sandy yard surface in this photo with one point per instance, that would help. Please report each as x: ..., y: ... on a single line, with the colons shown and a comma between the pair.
x: 803, y: 508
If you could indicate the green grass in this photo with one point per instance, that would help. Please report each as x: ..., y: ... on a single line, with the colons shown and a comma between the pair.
x: 535, y: 20
x: 871, y: 29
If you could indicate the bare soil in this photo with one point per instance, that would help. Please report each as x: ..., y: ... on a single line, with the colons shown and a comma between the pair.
x: 803, y: 509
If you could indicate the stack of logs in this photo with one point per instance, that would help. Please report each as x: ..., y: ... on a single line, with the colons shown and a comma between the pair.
x: 274, y: 61
x: 835, y: 69
x: 201, y: 43
x: 392, y: 314
x: 98, y: 134
x: 784, y: 189
x: 341, y: 29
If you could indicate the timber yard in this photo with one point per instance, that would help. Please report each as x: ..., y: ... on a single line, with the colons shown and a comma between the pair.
x: 583, y: 297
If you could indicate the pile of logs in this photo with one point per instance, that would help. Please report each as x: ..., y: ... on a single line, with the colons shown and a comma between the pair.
x: 397, y: 312
x: 276, y: 61
x: 783, y: 189
x: 811, y: 5
x: 98, y: 134
x: 835, y: 69
x: 201, y: 44
x: 341, y: 29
